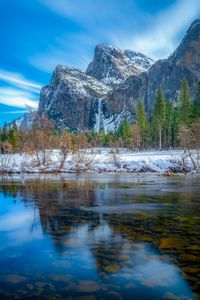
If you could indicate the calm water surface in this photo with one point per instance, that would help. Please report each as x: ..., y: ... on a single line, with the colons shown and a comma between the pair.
x: 100, y: 237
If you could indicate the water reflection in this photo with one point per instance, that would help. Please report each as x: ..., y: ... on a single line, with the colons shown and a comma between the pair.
x: 100, y: 238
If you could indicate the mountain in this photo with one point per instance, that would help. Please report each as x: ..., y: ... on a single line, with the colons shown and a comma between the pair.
x: 184, y: 62
x: 111, y: 65
x: 25, y: 122
x: 107, y: 94
x: 72, y: 99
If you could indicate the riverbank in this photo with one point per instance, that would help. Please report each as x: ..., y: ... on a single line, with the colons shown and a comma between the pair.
x: 101, y: 160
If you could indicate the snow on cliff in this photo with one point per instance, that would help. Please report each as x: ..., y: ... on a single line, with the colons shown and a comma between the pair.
x: 112, y: 65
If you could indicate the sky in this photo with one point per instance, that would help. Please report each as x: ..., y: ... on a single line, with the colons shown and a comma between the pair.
x: 37, y: 35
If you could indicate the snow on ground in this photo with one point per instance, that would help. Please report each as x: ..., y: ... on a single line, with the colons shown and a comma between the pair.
x: 100, y: 160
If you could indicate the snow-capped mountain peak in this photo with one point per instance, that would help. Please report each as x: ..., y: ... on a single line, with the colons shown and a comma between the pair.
x: 112, y: 65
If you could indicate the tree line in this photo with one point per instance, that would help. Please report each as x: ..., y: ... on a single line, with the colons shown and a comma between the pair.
x: 171, y: 125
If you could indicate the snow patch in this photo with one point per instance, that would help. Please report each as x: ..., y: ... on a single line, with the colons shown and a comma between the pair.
x: 101, y: 160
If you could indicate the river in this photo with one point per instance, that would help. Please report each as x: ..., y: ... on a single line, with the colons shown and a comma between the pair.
x: 100, y: 237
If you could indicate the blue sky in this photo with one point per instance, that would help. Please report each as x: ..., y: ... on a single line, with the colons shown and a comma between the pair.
x: 36, y: 35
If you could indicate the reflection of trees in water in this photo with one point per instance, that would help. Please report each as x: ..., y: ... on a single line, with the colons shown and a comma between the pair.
x: 108, y: 254
x: 59, y: 205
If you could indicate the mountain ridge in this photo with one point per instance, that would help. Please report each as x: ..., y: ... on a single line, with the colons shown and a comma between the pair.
x: 111, y: 65
x: 79, y: 101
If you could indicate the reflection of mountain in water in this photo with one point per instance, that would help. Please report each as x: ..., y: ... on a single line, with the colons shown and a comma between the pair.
x: 117, y: 241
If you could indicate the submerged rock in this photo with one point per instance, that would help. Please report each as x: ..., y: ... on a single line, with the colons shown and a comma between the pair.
x: 112, y: 268
x: 88, y: 286
x: 172, y: 243
x: 14, y: 278
x: 62, y: 278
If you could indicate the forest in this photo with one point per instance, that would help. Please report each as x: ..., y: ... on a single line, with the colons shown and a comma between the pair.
x: 172, y: 125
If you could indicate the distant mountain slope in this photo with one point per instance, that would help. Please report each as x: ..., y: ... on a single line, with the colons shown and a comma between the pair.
x: 25, y: 122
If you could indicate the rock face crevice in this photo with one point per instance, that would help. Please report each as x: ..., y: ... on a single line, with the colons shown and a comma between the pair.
x: 107, y: 93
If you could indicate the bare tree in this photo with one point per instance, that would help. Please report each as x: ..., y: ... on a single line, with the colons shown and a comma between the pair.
x: 189, y: 138
x: 115, y: 153
x: 84, y: 154
x: 65, y: 147
x: 42, y: 141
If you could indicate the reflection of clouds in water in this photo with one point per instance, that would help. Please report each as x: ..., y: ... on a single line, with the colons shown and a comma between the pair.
x: 143, y: 264
x: 19, y: 227
x: 16, y: 220
x: 155, y: 272
x: 84, y: 228
x: 84, y: 233
x: 24, y: 235
x: 103, y: 232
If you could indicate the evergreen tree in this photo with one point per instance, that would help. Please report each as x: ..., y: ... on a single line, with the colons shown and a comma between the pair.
x: 196, y: 105
x: 185, y: 104
x: 124, y: 132
x: 142, y: 122
x: 159, y: 116
x: 174, y: 127
x: 4, y: 133
x: 169, y: 123
x: 13, y: 137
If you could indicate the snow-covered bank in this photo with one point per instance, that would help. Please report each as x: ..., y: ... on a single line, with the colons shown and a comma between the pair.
x: 101, y: 160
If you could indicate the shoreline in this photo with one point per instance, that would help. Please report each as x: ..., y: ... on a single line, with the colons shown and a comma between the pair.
x: 43, y: 172
x: 102, y: 160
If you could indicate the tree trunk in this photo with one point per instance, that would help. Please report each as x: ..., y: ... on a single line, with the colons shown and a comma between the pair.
x: 160, y: 137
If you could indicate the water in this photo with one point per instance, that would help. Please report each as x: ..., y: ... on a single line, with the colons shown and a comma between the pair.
x: 100, y: 237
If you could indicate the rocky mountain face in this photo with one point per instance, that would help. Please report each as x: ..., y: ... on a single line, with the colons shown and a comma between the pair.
x: 72, y: 99
x: 107, y: 94
x: 111, y: 65
x: 77, y: 100
x: 184, y: 62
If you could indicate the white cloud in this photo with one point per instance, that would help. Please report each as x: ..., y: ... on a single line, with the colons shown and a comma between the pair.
x: 17, y: 91
x: 73, y: 53
x: 15, y: 220
x: 90, y: 12
x: 125, y: 26
x: 17, y: 98
x: 19, y: 80
x: 160, y: 38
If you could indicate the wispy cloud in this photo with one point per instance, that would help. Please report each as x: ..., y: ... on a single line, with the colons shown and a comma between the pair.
x: 55, y: 56
x: 17, y: 91
x: 163, y: 34
x: 75, y: 53
x: 96, y: 21
x: 17, y: 98
x: 90, y: 12
x: 123, y: 24
x: 19, y: 80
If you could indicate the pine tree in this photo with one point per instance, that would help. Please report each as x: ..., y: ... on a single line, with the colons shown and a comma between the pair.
x: 169, y: 123
x: 159, y: 116
x: 125, y: 133
x: 142, y: 122
x: 185, y: 104
x: 13, y: 137
x: 4, y: 133
x: 174, y: 127
x: 196, y: 105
